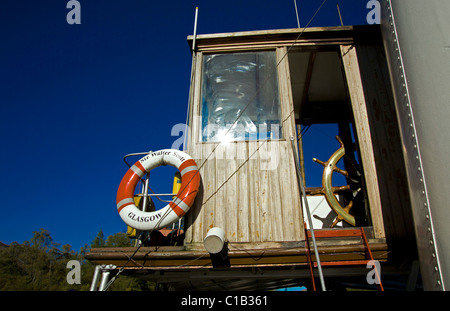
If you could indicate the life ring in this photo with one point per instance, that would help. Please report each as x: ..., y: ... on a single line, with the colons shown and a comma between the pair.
x: 172, y: 212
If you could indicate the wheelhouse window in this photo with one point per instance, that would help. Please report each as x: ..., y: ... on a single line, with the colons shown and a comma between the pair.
x: 240, y: 99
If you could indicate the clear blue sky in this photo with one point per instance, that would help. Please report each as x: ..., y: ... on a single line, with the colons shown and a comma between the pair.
x: 74, y: 99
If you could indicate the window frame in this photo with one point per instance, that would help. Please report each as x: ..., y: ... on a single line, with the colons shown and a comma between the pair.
x: 276, y: 73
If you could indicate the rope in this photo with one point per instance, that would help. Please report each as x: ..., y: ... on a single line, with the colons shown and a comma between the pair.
x: 130, y: 258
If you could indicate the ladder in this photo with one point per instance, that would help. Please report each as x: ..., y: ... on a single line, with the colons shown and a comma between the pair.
x: 341, y: 233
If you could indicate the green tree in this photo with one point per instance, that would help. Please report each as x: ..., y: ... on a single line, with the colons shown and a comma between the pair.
x: 40, y: 265
x: 36, y: 264
x: 42, y: 240
x: 99, y: 240
x: 119, y: 239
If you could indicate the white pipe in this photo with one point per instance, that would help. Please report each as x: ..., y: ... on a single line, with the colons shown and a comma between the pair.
x: 95, y: 278
x: 296, y: 13
x: 105, y: 278
x: 145, y: 196
x: 311, y: 229
x: 195, y: 29
x: 339, y: 12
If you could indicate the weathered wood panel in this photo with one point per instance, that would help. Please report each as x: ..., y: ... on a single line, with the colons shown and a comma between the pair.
x: 251, y: 202
x: 358, y: 103
x: 249, y: 187
x: 254, y: 40
x: 386, y: 141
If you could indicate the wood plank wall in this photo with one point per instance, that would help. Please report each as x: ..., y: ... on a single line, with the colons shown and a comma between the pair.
x: 387, y: 146
x: 249, y: 188
x: 358, y: 103
x: 254, y: 204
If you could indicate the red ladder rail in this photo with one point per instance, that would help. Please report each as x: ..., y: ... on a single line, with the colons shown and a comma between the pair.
x: 336, y: 233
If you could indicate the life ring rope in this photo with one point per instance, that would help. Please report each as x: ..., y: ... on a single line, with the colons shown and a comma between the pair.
x: 177, y: 208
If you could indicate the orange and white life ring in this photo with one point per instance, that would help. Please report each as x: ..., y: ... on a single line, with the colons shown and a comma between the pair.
x: 182, y: 202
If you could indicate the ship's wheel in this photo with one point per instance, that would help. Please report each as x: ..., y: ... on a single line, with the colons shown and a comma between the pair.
x: 343, y: 213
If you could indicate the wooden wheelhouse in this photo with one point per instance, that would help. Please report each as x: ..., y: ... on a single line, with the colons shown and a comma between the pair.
x: 255, y: 98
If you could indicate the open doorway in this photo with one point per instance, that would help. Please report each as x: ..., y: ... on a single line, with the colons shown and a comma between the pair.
x: 324, y: 122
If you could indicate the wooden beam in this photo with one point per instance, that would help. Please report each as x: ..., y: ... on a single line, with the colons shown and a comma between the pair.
x: 176, y: 259
x: 358, y: 103
x: 292, y: 207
